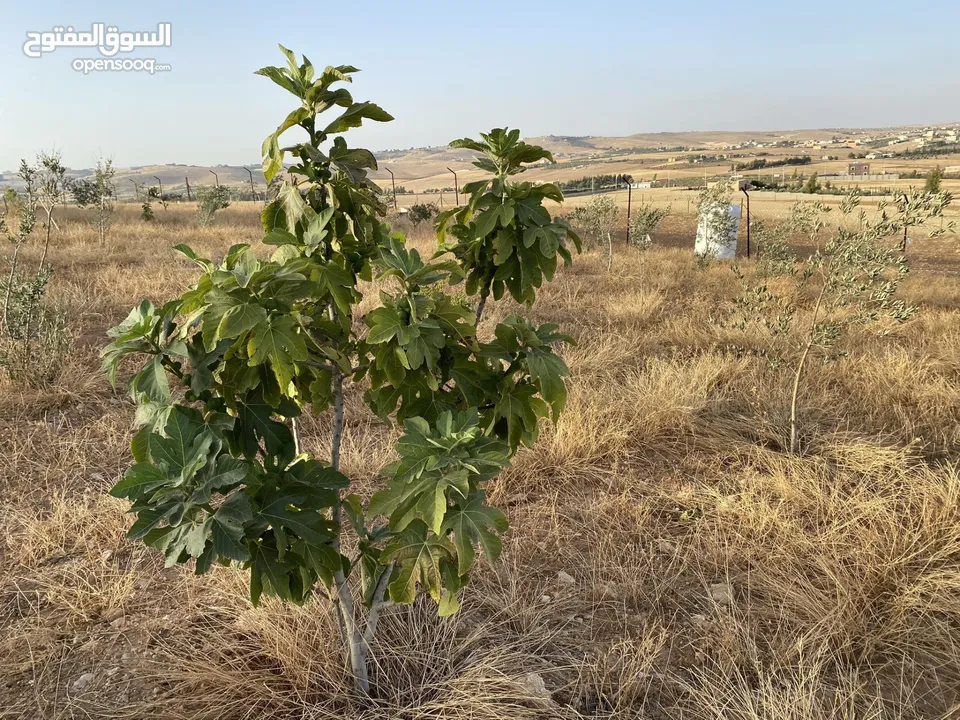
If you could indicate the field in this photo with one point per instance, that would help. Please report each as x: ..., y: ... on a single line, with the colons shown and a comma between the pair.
x: 940, y: 254
x: 688, y: 157
x: 642, y: 156
x: 666, y: 558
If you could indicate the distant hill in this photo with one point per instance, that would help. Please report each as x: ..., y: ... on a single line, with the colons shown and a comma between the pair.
x: 173, y: 177
x: 642, y: 155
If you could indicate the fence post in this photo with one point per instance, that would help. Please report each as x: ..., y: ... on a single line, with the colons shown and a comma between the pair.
x: 393, y: 184
x: 160, y: 183
x: 456, y: 186
x: 748, y: 220
x: 253, y: 191
x: 629, y: 196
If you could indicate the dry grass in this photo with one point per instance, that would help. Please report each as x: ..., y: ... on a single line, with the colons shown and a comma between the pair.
x: 714, y: 576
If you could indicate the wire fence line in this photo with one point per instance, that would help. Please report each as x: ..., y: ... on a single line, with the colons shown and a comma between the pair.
x: 832, y: 185
x: 678, y: 192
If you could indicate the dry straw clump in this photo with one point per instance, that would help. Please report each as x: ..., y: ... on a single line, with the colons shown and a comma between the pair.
x: 667, y: 557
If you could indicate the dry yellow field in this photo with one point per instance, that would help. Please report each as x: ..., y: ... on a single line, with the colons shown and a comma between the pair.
x: 666, y: 558
x: 765, y: 204
x: 638, y: 156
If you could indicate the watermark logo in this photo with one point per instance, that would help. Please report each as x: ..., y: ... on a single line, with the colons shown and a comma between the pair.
x: 108, y: 41
x: 89, y: 65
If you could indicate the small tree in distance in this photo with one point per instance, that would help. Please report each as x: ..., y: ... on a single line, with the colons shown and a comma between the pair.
x: 917, y: 207
x: 209, y: 200
x: 419, y: 212
x: 597, y: 220
x: 11, y: 201
x: 99, y: 194
x: 26, y: 220
x: 153, y: 193
x: 645, y: 219
x: 47, y: 188
x: 933, y: 180
x: 715, y: 225
x: 221, y: 473
x: 34, y: 338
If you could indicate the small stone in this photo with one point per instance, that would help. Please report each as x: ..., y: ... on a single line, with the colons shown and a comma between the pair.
x: 118, y: 623
x: 721, y: 593
x: 666, y: 547
x: 577, y: 619
x: 112, y: 671
x: 545, y: 599
x: 534, y: 684
x: 106, y: 556
x: 128, y: 657
x: 698, y: 619
x: 565, y: 578
x: 83, y: 682
x: 610, y: 591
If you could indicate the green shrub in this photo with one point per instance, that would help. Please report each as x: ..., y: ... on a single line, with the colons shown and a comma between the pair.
x: 596, y: 219
x: 209, y: 200
x: 422, y: 211
x: 36, y: 338
x: 97, y: 193
x: 644, y: 220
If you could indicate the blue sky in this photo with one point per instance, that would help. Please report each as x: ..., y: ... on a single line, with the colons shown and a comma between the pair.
x: 447, y: 69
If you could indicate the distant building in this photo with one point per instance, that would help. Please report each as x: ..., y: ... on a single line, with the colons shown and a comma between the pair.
x: 858, y: 168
